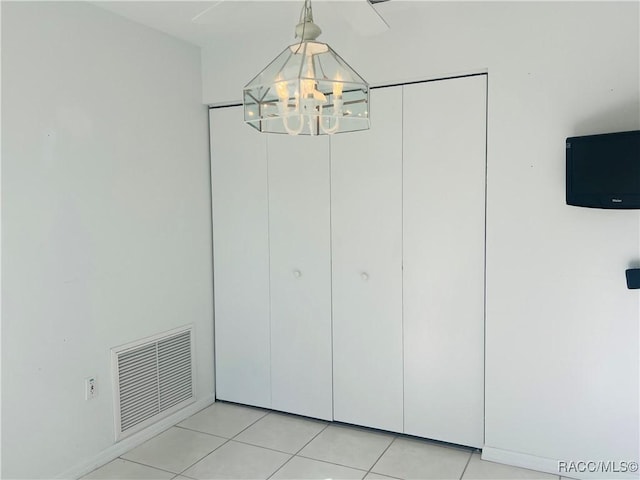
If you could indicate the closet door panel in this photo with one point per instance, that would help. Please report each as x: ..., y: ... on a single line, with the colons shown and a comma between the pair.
x: 443, y: 230
x: 299, y: 226
x: 366, y: 210
x: 241, y: 259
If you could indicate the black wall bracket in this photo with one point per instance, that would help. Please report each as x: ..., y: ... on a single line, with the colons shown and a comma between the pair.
x: 633, y: 278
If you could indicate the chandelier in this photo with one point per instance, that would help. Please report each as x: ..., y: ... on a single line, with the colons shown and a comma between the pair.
x: 307, y: 90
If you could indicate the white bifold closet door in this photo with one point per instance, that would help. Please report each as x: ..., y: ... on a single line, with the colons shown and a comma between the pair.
x: 241, y: 259
x: 443, y: 279
x: 300, y: 258
x: 366, y: 212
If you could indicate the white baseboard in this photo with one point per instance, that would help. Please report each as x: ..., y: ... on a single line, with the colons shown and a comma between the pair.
x: 548, y: 465
x: 123, y: 446
x: 523, y: 460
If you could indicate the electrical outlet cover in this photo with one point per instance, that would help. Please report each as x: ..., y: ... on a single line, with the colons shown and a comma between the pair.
x: 90, y: 388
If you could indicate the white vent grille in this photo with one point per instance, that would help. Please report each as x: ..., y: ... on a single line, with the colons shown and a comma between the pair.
x: 154, y: 378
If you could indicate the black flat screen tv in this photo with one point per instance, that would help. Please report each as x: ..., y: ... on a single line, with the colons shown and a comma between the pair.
x: 603, y: 171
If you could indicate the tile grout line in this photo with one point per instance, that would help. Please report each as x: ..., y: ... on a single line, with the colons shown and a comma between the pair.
x: 199, y: 431
x: 296, y: 454
x: 144, y: 465
x: 466, y: 465
x: 332, y: 463
x: 221, y: 445
x: 251, y: 424
x: 183, y: 475
x: 203, y: 457
x: 341, y: 464
x: 226, y: 440
x: 381, y: 455
x: 262, y: 446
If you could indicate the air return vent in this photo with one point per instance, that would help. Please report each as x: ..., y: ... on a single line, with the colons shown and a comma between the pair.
x: 153, y: 378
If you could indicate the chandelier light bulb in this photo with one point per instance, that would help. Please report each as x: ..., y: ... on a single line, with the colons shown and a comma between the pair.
x: 282, y: 90
x: 338, y: 86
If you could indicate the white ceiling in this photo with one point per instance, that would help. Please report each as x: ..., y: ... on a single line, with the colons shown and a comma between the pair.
x: 207, y: 23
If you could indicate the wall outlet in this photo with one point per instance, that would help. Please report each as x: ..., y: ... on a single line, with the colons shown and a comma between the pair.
x: 90, y: 388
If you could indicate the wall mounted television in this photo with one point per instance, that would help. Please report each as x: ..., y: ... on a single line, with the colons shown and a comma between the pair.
x: 603, y: 171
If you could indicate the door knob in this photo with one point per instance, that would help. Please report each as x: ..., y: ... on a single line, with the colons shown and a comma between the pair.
x: 297, y: 273
x: 364, y: 276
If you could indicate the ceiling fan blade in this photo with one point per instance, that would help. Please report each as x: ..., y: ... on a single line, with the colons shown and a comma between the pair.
x: 372, y: 4
x: 360, y: 15
x: 202, y: 17
x: 364, y: 18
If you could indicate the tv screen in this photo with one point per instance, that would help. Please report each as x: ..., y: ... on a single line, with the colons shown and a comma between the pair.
x: 603, y: 171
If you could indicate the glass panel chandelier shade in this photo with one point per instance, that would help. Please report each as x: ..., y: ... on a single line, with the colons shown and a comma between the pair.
x: 307, y: 90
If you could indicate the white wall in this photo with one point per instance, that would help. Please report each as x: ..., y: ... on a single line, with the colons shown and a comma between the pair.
x: 562, y: 330
x: 106, y: 227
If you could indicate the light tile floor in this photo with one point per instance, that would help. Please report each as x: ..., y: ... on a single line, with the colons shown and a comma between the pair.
x: 227, y: 441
